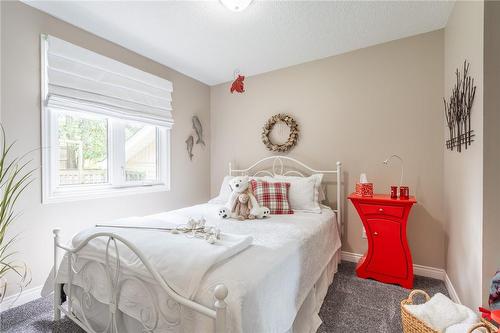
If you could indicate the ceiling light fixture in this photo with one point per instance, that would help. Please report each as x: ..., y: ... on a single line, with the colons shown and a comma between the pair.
x: 236, y: 5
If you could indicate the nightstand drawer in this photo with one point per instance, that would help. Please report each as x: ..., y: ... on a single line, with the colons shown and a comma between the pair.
x: 395, y: 211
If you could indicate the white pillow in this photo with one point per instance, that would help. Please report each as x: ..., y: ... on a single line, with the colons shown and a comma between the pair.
x: 304, y: 193
x: 440, y: 312
x: 322, y: 193
x: 224, y: 192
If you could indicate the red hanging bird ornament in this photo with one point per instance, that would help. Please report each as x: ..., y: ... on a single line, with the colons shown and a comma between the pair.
x: 238, y: 84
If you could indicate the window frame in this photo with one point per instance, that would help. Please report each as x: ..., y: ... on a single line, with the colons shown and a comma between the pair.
x: 51, y: 192
x: 115, y: 186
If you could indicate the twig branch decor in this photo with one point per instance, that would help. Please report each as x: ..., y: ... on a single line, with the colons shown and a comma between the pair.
x: 292, y: 138
x: 457, y: 110
x: 193, y: 229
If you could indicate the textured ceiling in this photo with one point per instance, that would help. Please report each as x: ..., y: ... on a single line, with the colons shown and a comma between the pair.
x: 208, y: 42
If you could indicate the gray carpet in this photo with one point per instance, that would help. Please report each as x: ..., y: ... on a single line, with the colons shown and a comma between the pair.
x: 351, y: 305
x: 358, y: 305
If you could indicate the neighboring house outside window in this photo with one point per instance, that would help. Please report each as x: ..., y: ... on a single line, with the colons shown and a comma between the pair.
x: 105, y: 125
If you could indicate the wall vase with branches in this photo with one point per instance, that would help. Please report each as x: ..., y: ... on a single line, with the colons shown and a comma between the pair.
x: 15, y: 176
x: 457, y: 110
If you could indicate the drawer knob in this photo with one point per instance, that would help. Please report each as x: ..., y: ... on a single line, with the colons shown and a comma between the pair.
x: 381, y: 210
x: 375, y: 233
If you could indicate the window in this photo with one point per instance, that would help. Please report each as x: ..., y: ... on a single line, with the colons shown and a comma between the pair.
x: 140, y: 153
x: 105, y: 125
x: 82, y: 149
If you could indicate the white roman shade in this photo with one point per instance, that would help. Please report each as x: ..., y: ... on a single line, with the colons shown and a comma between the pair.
x: 81, y: 80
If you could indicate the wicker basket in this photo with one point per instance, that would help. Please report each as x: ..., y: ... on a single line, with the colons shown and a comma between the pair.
x: 485, y: 324
x: 412, y: 324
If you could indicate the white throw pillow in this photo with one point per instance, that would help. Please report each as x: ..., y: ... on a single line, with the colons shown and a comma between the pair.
x: 304, y: 192
x: 439, y: 312
x: 224, y: 192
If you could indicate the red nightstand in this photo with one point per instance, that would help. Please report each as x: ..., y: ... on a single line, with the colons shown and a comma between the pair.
x: 388, y: 258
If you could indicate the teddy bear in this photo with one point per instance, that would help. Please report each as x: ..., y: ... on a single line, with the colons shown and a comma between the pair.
x: 223, y: 213
x: 260, y: 212
x: 238, y: 185
x: 242, y: 208
x: 241, y: 185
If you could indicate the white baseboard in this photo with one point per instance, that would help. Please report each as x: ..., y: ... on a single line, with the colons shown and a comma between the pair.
x: 451, y: 289
x: 26, y: 296
x: 426, y: 271
x: 350, y: 256
x: 430, y: 272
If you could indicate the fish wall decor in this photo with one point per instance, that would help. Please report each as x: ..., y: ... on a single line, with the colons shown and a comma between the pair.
x: 189, y: 146
x: 199, y: 130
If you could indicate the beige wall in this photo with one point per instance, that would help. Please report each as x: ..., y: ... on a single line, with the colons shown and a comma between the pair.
x: 357, y: 108
x: 20, y: 114
x: 463, y: 172
x: 491, y: 228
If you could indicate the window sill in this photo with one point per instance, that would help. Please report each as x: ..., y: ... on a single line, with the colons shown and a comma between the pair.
x: 106, y: 192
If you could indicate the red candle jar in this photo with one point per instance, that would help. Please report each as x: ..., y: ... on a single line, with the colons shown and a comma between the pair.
x: 394, y: 192
x: 404, y: 192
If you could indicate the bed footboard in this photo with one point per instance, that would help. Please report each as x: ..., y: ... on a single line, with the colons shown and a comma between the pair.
x: 116, y: 279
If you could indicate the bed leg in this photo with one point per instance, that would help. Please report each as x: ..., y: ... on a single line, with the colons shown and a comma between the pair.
x: 57, y: 286
x: 57, y: 302
x: 220, y: 308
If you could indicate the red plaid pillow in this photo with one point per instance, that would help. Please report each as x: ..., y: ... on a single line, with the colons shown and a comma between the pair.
x: 272, y: 195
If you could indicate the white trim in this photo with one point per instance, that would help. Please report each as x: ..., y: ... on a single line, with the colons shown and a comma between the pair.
x: 350, y: 256
x: 26, y: 296
x: 104, y: 193
x: 426, y: 271
x: 451, y: 289
x: 116, y: 185
x: 430, y: 272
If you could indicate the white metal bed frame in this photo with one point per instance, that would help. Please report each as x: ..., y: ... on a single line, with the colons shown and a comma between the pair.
x: 116, y: 277
x: 278, y: 169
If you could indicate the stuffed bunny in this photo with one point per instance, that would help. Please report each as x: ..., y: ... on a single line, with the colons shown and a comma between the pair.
x: 242, y: 207
x: 241, y: 185
x: 238, y: 185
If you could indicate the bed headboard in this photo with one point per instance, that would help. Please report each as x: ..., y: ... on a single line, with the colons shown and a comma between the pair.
x: 287, y: 166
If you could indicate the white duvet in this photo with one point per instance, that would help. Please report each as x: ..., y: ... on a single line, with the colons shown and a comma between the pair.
x: 267, y: 282
x: 181, y: 259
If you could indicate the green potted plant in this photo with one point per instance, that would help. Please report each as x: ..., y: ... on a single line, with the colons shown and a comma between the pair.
x: 15, y: 177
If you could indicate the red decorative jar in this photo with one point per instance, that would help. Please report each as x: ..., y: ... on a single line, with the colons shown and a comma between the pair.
x: 404, y: 192
x: 394, y: 192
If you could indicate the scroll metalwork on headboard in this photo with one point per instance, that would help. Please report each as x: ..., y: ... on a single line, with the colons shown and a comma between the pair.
x: 286, y: 166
